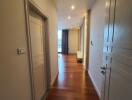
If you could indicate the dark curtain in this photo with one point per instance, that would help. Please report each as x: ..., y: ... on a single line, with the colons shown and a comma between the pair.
x: 65, y: 42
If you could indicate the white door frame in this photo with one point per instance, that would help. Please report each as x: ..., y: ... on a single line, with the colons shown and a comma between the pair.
x: 30, y: 5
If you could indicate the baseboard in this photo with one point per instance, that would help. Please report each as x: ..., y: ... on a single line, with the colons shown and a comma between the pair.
x: 97, y: 90
x: 72, y: 53
x: 45, y: 95
x: 55, y: 78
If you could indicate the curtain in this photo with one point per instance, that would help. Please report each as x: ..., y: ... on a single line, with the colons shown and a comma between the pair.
x: 65, y: 42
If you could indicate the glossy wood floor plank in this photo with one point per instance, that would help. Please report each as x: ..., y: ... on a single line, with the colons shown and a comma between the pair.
x: 72, y: 83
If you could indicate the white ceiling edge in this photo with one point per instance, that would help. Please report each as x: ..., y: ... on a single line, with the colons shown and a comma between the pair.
x: 89, y: 2
x: 76, y: 21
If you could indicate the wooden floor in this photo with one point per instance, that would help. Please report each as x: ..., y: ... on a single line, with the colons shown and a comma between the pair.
x: 72, y: 83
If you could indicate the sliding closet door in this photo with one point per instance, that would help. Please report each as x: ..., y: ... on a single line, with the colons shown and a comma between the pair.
x: 38, y: 56
x: 121, y: 66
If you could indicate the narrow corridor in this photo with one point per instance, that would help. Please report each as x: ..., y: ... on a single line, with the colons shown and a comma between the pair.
x: 73, y: 83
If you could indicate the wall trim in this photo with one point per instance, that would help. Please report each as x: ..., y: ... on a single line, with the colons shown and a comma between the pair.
x: 55, y: 78
x: 72, y: 53
x: 97, y: 90
x: 29, y: 5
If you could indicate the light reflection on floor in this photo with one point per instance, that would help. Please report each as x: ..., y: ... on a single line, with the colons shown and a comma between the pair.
x: 61, y: 76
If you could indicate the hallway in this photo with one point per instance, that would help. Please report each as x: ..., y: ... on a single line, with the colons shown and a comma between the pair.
x: 72, y: 82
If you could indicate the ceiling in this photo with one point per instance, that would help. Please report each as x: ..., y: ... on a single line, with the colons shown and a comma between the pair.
x: 64, y: 10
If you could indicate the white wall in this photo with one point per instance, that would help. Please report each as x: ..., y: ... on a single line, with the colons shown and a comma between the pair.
x: 96, y: 35
x: 73, y: 41
x: 14, y: 69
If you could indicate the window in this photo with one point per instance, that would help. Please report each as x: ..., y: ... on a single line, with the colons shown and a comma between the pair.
x: 59, y: 41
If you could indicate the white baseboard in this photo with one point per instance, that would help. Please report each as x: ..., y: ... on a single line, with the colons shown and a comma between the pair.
x: 97, y: 90
x: 54, y: 79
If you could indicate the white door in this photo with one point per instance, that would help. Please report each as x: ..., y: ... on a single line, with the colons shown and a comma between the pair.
x: 121, y: 66
x: 38, y: 56
x: 117, y: 69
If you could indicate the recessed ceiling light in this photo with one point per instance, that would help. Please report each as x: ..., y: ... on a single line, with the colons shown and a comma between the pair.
x: 72, y: 7
x: 69, y: 17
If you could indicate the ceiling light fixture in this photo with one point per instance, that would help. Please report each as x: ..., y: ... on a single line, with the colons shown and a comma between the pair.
x: 69, y: 17
x: 72, y: 7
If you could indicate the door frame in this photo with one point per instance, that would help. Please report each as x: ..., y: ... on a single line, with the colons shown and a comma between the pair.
x: 30, y: 5
x: 88, y: 39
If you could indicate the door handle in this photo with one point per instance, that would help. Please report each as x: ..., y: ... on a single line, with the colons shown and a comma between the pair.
x: 103, y: 67
x: 103, y: 72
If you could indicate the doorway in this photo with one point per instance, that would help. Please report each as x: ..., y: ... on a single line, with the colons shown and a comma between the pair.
x: 38, y: 46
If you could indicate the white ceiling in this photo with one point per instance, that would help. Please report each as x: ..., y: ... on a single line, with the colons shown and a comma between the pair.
x: 64, y: 10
